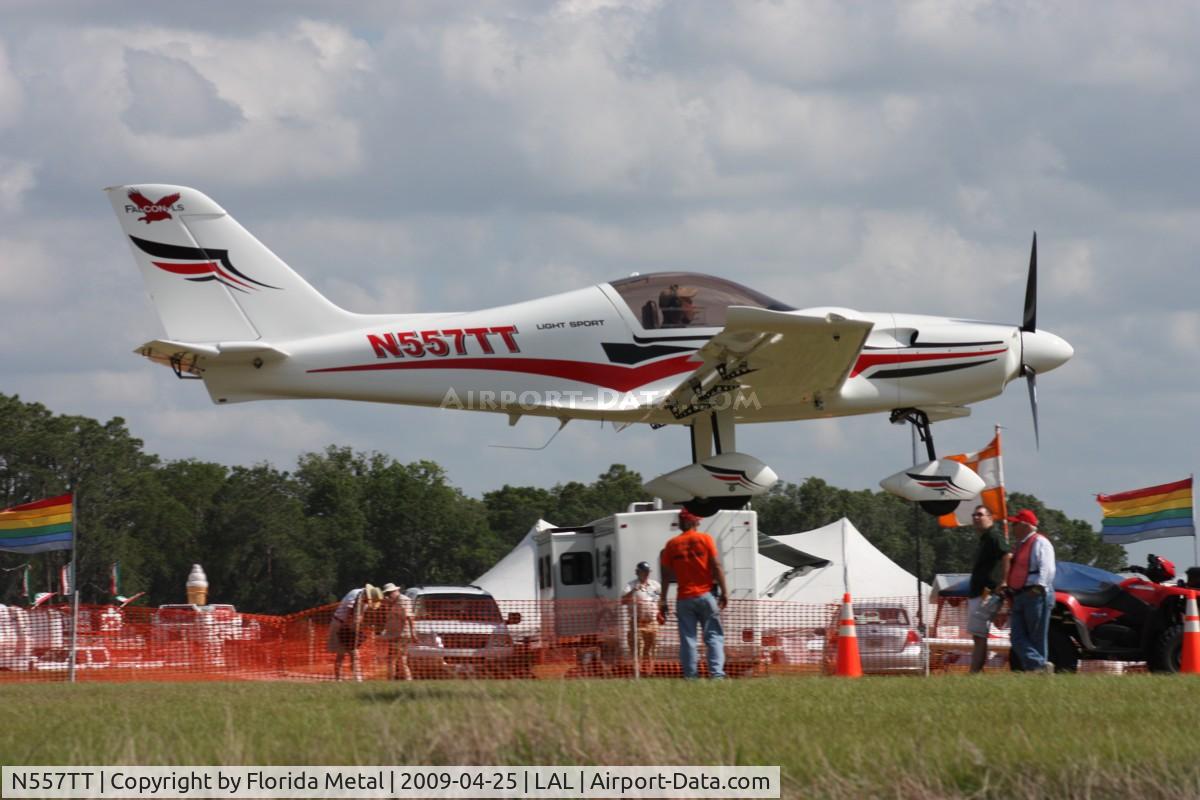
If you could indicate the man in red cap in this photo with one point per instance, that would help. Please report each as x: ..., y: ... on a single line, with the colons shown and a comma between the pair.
x: 691, y: 560
x: 1031, y: 581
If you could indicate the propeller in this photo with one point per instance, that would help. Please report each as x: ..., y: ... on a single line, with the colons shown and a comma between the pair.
x: 1031, y: 382
x: 1029, y: 325
x: 1041, y: 351
x: 1030, y: 321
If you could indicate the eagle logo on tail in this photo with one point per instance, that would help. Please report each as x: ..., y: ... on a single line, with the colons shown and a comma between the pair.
x: 153, y: 210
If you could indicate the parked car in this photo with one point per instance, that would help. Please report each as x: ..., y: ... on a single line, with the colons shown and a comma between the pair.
x: 888, y: 642
x: 460, y: 631
x: 794, y: 646
x: 59, y: 658
x: 185, y: 621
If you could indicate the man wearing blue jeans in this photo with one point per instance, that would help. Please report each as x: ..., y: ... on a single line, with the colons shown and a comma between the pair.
x: 690, y: 559
x: 1031, y: 581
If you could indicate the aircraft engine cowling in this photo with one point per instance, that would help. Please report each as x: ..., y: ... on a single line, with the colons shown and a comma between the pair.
x: 727, y: 480
x: 939, y: 486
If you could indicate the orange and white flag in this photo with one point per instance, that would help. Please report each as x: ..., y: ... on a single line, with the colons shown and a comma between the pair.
x: 988, y: 464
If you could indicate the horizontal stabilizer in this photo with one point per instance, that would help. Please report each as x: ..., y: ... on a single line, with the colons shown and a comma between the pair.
x: 194, y: 357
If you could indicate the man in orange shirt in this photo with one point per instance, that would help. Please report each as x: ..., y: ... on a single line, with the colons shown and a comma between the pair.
x: 690, y: 560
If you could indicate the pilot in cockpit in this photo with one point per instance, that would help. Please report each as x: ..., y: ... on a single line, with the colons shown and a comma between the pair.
x: 678, y: 305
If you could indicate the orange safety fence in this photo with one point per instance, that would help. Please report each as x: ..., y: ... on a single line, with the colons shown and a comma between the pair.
x: 467, y: 637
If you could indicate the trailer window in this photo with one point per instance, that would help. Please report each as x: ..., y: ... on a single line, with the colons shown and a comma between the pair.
x: 604, y: 560
x: 575, y: 569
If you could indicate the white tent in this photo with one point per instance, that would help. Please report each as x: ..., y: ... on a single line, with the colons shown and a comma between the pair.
x: 513, y: 582
x: 870, y: 573
x: 514, y: 577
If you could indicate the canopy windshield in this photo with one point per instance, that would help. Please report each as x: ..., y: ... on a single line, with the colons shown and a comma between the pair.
x: 687, y: 299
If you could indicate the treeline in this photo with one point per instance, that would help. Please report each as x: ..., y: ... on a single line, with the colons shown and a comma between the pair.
x: 274, y: 541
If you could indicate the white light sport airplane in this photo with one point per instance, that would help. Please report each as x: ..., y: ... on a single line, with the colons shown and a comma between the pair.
x: 662, y: 349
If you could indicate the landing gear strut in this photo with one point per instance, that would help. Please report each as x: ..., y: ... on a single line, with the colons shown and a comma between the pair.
x: 713, y: 434
x: 920, y: 421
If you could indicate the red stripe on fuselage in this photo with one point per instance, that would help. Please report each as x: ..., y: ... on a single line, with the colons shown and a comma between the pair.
x: 867, y: 360
x: 611, y: 376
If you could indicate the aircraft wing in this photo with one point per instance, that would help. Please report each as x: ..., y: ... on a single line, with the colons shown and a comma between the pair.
x: 784, y: 358
x: 787, y: 555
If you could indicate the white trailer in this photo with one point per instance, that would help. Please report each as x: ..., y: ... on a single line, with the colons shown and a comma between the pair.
x: 578, y: 566
x: 25, y: 633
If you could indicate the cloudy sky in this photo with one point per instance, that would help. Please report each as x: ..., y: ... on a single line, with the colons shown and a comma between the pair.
x: 448, y: 156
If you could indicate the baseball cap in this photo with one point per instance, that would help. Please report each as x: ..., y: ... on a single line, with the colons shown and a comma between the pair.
x: 1026, y: 516
x: 687, y: 516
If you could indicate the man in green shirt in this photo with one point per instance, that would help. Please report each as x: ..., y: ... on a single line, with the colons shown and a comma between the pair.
x: 992, y: 557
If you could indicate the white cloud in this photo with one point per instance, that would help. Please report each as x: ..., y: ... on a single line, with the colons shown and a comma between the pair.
x: 245, y: 434
x: 802, y: 136
x: 385, y: 295
x: 912, y: 262
x: 185, y: 103
x: 456, y: 156
x: 577, y: 116
x: 16, y: 178
x: 12, y: 96
x: 28, y: 272
x: 170, y: 97
x: 1184, y: 332
x: 112, y: 389
x: 1073, y: 272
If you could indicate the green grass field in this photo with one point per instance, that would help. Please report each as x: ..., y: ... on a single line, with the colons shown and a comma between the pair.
x: 996, y: 736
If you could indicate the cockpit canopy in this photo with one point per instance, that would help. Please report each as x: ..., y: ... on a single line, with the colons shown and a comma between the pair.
x: 687, y: 299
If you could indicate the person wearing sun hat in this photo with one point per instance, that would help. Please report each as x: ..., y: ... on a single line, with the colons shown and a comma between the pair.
x: 398, y: 631
x: 642, y: 595
x: 348, y: 629
x: 1031, y: 582
x: 691, y: 561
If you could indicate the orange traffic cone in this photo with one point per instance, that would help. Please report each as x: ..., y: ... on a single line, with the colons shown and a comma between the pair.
x: 1189, y: 661
x: 849, y: 664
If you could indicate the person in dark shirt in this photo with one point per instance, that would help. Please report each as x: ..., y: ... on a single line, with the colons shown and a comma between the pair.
x: 992, y: 557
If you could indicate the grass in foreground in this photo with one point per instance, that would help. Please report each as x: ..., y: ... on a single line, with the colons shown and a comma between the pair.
x: 1011, y: 736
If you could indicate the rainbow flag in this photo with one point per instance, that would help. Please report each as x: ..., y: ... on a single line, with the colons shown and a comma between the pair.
x: 1156, y: 512
x: 36, y: 527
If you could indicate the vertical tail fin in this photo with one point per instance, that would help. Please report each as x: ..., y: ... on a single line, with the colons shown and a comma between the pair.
x: 209, y: 278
